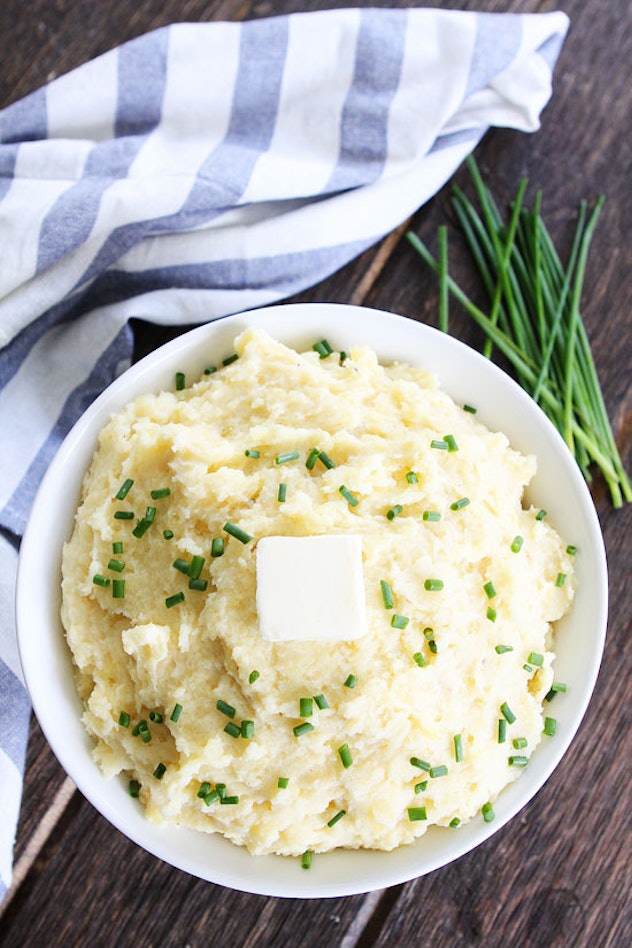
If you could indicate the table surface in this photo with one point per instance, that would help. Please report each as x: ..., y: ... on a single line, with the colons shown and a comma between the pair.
x: 560, y: 873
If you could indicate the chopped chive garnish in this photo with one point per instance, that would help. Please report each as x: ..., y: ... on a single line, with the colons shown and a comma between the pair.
x: 321, y: 702
x: 124, y: 489
x: 399, y: 622
x: 439, y: 444
x: 139, y: 728
x: 322, y: 348
x: 133, y: 788
x: 350, y: 681
x: 469, y: 408
x: 490, y: 592
x: 180, y: 381
x: 306, y: 859
x: 230, y: 359
x: 450, y: 440
x: 150, y: 514
x: 160, y: 492
x: 221, y: 790
x: 541, y: 514
x: 428, y: 633
x: 118, y: 588
x: 517, y: 760
x: 519, y: 742
x: 345, y: 756
x: 561, y: 579
x: 229, y: 801
x: 217, y: 546
x: 571, y: 550
x: 281, y: 494
x: 557, y: 686
x: 145, y: 736
x: 507, y: 713
x: 394, y: 512
x: 175, y: 714
x: 501, y: 649
x: 116, y: 566
x: 141, y: 528
x: 456, y: 820
x: 312, y: 457
x: 336, y: 819
x: 439, y: 771
x: 286, y: 457
x: 174, y: 600
x: 433, y: 515
x: 460, y: 504
x: 433, y: 585
x: 282, y: 782
x: 211, y: 797
x: 343, y: 357
x: 387, y: 594
x: 247, y: 729
x: 516, y: 544
x: 124, y: 719
x: 210, y: 370
x: 421, y: 764
x: 167, y: 534
x: 303, y: 728
x: 117, y: 547
x: 488, y: 812
x: 200, y: 585
x: 205, y: 788
x: 196, y: 566
x: 502, y: 730
x: 348, y: 496
x: 252, y: 453
x: 124, y: 515
x: 421, y: 786
x: 419, y: 659
x: 252, y: 677
x: 458, y: 748
x: 412, y: 478
x: 324, y: 459
x: 181, y: 565
x: 237, y: 532
x: 305, y: 706
x: 156, y: 717
x: 491, y: 614
x: 100, y: 580
x: 225, y: 708
x: 528, y: 668
x: 432, y: 645
x: 416, y: 813
x: 159, y: 772
x: 234, y: 730
x: 536, y: 659
x: 550, y: 726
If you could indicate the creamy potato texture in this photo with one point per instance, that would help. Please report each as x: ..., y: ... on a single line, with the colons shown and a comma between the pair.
x: 429, y: 678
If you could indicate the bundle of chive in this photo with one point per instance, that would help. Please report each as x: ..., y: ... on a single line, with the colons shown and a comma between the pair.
x: 534, y: 317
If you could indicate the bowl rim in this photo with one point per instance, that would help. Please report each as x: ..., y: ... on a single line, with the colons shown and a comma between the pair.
x: 401, y: 335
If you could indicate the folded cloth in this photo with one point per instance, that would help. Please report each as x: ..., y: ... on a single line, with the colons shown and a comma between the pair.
x: 204, y: 169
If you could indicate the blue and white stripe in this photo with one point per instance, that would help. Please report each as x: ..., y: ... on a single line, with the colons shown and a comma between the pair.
x: 204, y: 169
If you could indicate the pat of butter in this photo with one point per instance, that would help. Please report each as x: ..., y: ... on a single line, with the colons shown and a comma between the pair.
x: 311, y: 588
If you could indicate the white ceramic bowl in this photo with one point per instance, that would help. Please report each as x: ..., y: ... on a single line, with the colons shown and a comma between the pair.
x: 469, y: 378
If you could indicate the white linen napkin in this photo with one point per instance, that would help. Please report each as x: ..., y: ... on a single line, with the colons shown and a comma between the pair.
x: 204, y: 169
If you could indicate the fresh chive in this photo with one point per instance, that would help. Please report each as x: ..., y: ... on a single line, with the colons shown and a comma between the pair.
x: 321, y: 702
x: 517, y: 760
x: 195, y: 567
x: 181, y: 565
x: 439, y: 771
x: 247, y: 729
x: 387, y: 594
x: 491, y: 614
x: 432, y: 645
x: 536, y: 659
x: 286, y: 457
x: 312, y: 457
x: 428, y: 633
x: 419, y: 659
x: 343, y: 357
x: 225, y: 708
x: 124, y: 489
x: 205, y: 788
x: 394, y: 512
x: 442, y: 238
x: 156, y: 717
x: 175, y: 714
x: 229, y: 801
x: 571, y: 550
x: 458, y: 748
x: 454, y: 822
x: 528, y: 668
x: 133, y: 788
x: 420, y: 764
x: 561, y: 579
x: 305, y: 706
x: 412, y: 478
x: 416, y: 813
x: 348, y: 496
x: 556, y: 687
x: 541, y: 514
x: 167, y: 534
x: 399, y: 622
x: 230, y: 359
x: 502, y: 730
x: 217, y: 546
x: 221, y: 790
x: 433, y: 585
x: 469, y: 408
x: 180, y: 381
x: 350, y: 681
x: 322, y: 348
x: 117, y: 566
x: 421, y: 786
x: 237, y: 532
x: 490, y: 592
x: 210, y: 370
x: 303, y: 728
x: 252, y: 453
x: 232, y: 729
x: 145, y: 736
x: 159, y: 772
x: 124, y: 515
x: 282, y: 782
x: 336, y: 819
x: 431, y: 515
x: 450, y: 440
x: 306, y: 859
x: 252, y: 677
x: 141, y: 528
x: 345, y: 756
x: 516, y: 544
x: 281, y: 493
x: 460, y: 503
x: 488, y: 812
x: 507, y: 713
x: 439, y: 444
x: 324, y: 459
x: 174, y: 600
x: 124, y: 719
x: 199, y: 585
x: 100, y: 580
x: 520, y: 742
x: 118, y: 588
x: 139, y: 727
x: 211, y: 797
x: 160, y: 492
x: 550, y: 726
x: 501, y: 649
x: 117, y: 547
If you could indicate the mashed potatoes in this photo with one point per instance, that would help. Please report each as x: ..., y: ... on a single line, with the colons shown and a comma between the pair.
x: 184, y: 695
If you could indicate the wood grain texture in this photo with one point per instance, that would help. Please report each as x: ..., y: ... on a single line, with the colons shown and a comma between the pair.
x: 560, y: 874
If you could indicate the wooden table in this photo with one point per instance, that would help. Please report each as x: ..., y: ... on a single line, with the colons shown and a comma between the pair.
x: 559, y: 874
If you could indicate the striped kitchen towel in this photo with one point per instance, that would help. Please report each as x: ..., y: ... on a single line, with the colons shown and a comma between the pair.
x: 204, y: 169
